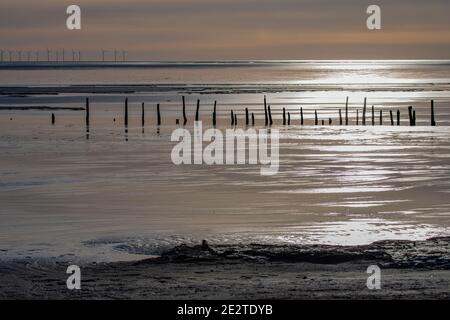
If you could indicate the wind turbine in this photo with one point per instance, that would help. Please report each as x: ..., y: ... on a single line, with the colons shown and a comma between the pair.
x: 73, y: 55
x: 103, y: 55
x: 79, y: 55
x: 20, y: 55
x: 57, y: 55
x: 124, y: 55
x: 29, y: 56
x: 37, y: 56
x: 115, y: 55
x: 48, y: 54
x: 10, y: 55
x: 63, y: 54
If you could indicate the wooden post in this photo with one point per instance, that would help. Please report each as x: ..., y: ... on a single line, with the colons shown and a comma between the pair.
x: 316, y: 119
x: 346, y: 112
x: 340, y: 117
x: 301, y: 115
x: 232, y: 118
x: 143, y: 114
x: 398, y: 117
x: 323, y: 122
x: 266, y: 121
x: 270, y: 115
x: 357, y: 117
x: 159, y: 114
x: 235, y: 119
x: 433, y: 122
x: 53, y: 118
x: 284, y: 116
x: 373, y: 115
x: 87, y: 112
x: 184, y: 112
x: 197, y: 112
x: 214, y: 114
x: 364, y: 112
x: 381, y: 117
x: 392, y: 117
x: 410, y: 115
x: 414, y: 117
x: 330, y: 121
x: 253, y: 119
x: 246, y: 117
x: 289, y: 118
x: 126, y: 113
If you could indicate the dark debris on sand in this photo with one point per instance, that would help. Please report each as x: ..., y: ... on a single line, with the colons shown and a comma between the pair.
x: 433, y: 253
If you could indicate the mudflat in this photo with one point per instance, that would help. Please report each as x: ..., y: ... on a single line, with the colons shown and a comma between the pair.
x: 409, y: 270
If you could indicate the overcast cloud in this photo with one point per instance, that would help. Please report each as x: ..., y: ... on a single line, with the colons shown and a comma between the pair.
x: 231, y: 29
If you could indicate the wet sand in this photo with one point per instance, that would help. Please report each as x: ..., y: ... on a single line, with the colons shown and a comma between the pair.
x: 409, y: 270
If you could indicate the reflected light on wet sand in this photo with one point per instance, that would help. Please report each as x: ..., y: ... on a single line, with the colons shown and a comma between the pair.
x: 362, y: 231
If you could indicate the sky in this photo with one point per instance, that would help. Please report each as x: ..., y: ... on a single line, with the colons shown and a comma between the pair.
x: 231, y: 29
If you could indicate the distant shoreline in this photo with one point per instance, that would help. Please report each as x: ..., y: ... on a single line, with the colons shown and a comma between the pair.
x: 17, y: 65
x: 42, y: 108
x: 213, y: 88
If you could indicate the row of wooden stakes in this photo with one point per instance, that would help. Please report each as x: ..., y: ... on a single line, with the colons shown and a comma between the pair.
x: 268, y: 121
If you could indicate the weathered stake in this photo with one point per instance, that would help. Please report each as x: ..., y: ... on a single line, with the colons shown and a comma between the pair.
x: 381, y: 117
x: 266, y: 120
x: 340, y: 117
x: 346, y: 112
x: 159, y: 114
x: 398, y: 117
x: 253, y: 119
x: 357, y: 117
x: 410, y: 116
x: 246, y: 117
x: 373, y: 115
x: 270, y: 115
x: 316, y: 119
x: 197, y: 116
x: 232, y: 118
x: 301, y: 115
x: 214, y: 114
x: 87, y: 112
x: 126, y: 113
x: 392, y: 117
x: 284, y: 116
x: 53, y: 118
x: 433, y: 122
x: 364, y: 112
x: 289, y: 118
x: 184, y: 112
x: 143, y: 114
